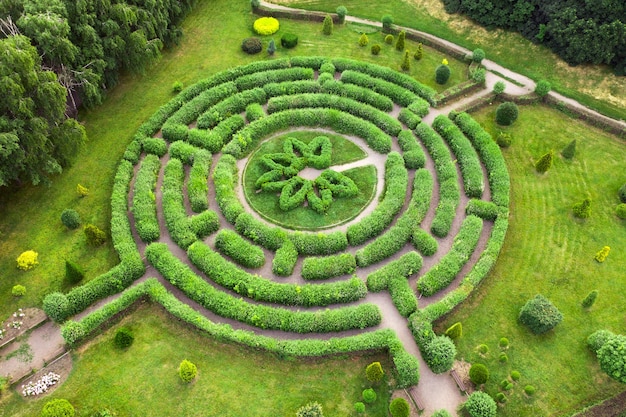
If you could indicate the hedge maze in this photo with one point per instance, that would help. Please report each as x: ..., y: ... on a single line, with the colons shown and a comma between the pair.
x: 180, y: 188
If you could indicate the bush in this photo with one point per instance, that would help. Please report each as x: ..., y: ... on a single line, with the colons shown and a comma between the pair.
x: 597, y: 339
x: 399, y: 407
x: 540, y: 315
x: 582, y: 210
x: 442, y: 74
x: 177, y: 86
x: 482, y: 349
x: 56, y: 305
x: 341, y: 13
x: 479, y: 374
x: 387, y: 21
x: 515, y: 375
x: 187, y: 371
x: 123, y: 338
x: 285, y: 259
x: 375, y: 49
x: 590, y: 299
x: 480, y: 404
x: 406, y: 62
x: 58, y: 408
x: 359, y: 407
x: 82, y: 190
x: 364, y: 40
x: 70, y: 218
x: 478, y: 55
x: 622, y: 193
x: 18, y: 290
x: 27, y: 260
x: 73, y: 272
x: 620, y: 211
x: 266, y: 25
x: 441, y: 413
x: 95, y: 236
x: 542, y: 88
x: 312, y: 409
x: 251, y: 45
x: 401, y: 41
x: 529, y: 390
x: 327, y: 28
x: 289, y: 40
x: 239, y: 249
x: 369, y: 395
x: 503, y: 343
x: 374, y: 372
x: 255, y: 4
x: 419, y: 52
x: 499, y: 87
x: 389, y: 39
x: 503, y: 358
x: 439, y: 354
x: 544, y: 163
x: 271, y: 47
x: 504, y: 139
x: 506, y: 113
x: 328, y: 267
x: 602, y: 254
x: 455, y: 331
x: 479, y: 75
x: 570, y: 150
x: 501, y: 398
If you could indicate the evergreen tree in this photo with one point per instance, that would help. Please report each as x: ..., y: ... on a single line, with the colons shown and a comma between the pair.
x: 271, y: 47
x: 73, y: 272
x: 406, y: 62
x: 328, y: 25
x: 363, y: 40
x: 570, y: 150
x: 419, y: 52
x: 590, y: 299
x: 544, y: 163
x: 400, y: 41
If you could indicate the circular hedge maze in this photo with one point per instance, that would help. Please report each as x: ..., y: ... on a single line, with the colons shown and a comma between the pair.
x: 215, y: 185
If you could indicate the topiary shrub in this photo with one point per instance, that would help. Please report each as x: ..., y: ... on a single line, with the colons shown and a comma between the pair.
x: 251, y: 45
x: 375, y: 49
x: 455, y: 331
x: 515, y: 375
x: 271, y: 47
x: 187, y: 371
x: 501, y: 398
x: 70, y: 218
x: 620, y: 211
x: 387, y: 21
x: 123, y: 338
x: 602, y: 254
x: 504, y: 140
x: 359, y: 407
x: 529, y: 390
x: 480, y: 404
x: 479, y: 76
x: 590, y: 299
x: 95, y: 236
x: 58, y: 408
x: 622, y: 193
x: 506, y: 113
x: 544, y: 163
x: 56, y: 306
x: 266, y: 25
x: 439, y: 354
x: 364, y: 40
x: 312, y: 409
x: 482, y: 349
x: 399, y: 407
x: 289, y: 40
x: 478, y: 55
x: 73, y: 272
x: 570, y: 150
x: 479, y: 374
x: 27, y: 260
x: 419, y: 52
x: 369, y: 395
x: 389, y: 39
x: 401, y: 41
x: 597, y: 339
x: 540, y: 315
x: 341, y: 13
x: 499, y: 87
x: 18, y: 290
x: 442, y: 74
x: 582, y: 210
x: 503, y: 358
x: 177, y: 86
x: 406, y: 62
x: 542, y: 88
x: 255, y: 4
x: 327, y: 28
x: 374, y: 372
x: 441, y: 413
x: 82, y: 191
x: 503, y: 343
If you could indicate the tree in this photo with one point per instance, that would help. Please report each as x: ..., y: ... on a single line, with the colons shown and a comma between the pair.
x: 590, y: 299
x: 58, y: 408
x: 544, y: 163
x: 95, y: 236
x: 387, y: 21
x: 374, y: 372
x: 187, y: 371
x: 540, y: 315
x: 455, y: 331
x: 478, y: 55
x: 73, y: 272
x: 341, y: 13
x: 582, y: 210
x: 542, y: 88
x: 570, y: 150
x: 271, y: 47
x: 327, y: 29
x: 442, y: 74
x: 506, y: 113
x: 400, y: 41
x: 363, y: 39
x: 312, y: 409
x: 612, y: 357
x: 499, y: 87
x: 399, y: 407
x: 406, y: 62
x: 480, y: 404
x: 70, y: 218
x: 419, y: 52
x: 36, y: 140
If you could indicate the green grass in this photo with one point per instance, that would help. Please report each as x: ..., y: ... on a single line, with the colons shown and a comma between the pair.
x: 548, y: 251
x: 232, y: 380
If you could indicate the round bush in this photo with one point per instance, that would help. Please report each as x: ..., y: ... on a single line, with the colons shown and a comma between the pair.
x: 597, y: 339
x: 58, y: 408
x: 478, y: 55
x: 27, y: 260
x: 312, y: 409
x: 187, y: 371
x: 501, y: 398
x: 542, y: 88
x: 18, y: 290
x: 480, y: 404
x: 506, y: 385
x: 341, y: 13
x: 399, y: 407
x: 483, y: 349
x: 441, y: 413
x: 612, y: 358
x: 375, y: 49
x: 389, y: 39
x: 442, y: 74
x: 369, y: 395
x: 503, y: 343
x: 177, y: 86
x: 289, y: 40
x: 251, y: 45
x: 374, y: 372
x: 123, y: 338
x: 479, y: 374
x: 515, y: 375
x: 540, y: 315
x: 582, y: 210
x: 95, y: 236
x: 622, y: 193
x: 359, y: 407
x: 503, y: 358
x: 70, y: 218
x: 56, y: 306
x: 529, y: 390
x: 620, y: 210
x: 499, y: 87
x: 266, y: 25
x: 506, y: 113
x: 439, y: 354
x: 387, y: 21
x: 504, y: 140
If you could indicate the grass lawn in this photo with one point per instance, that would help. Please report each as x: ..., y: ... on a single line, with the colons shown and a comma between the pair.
x: 232, y: 380
x: 548, y: 251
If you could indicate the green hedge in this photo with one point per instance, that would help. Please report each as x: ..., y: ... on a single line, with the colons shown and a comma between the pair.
x: 269, y: 237
x: 154, y: 146
x: 424, y: 242
x: 183, y: 151
x: 133, y: 150
x: 315, y: 244
x: 254, y: 112
x: 396, y: 93
x: 328, y: 266
x: 262, y: 78
x: 205, y: 223
x: 358, y: 93
x: 232, y: 105
x: 412, y: 152
x: 214, y: 140
x: 262, y: 316
x: 144, y: 205
x: 291, y: 87
x: 239, y: 249
x: 466, y: 156
x: 173, y: 132
x: 225, y: 179
x: 442, y: 274
x: 445, y: 213
x: 410, y: 119
x: 396, y: 182
x: 419, y: 107
x: 402, y: 296
x: 197, y: 185
x: 285, y: 259
x: 192, y: 109
x: 314, y: 62
x: 405, y: 266
x: 486, y: 210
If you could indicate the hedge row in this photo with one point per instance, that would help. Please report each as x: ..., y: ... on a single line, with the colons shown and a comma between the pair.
x: 403, y: 80
x: 192, y: 109
x: 265, y: 317
x: 213, y: 140
x: 358, y: 93
x: 247, y: 138
x: 154, y: 146
x: 59, y: 306
x: 234, y: 104
x: 412, y: 152
x: 225, y: 179
x: 396, y: 183
x: 466, y: 156
x: 144, y: 205
x: 396, y: 93
x: 490, y: 154
x: 405, y: 266
x: 419, y: 107
x: 316, y: 244
x: 269, y: 237
x: 449, y: 196
x: 285, y: 259
x: 183, y: 151
x: 406, y: 365
x: 486, y: 210
x: 173, y: 132
x: 293, y: 87
x: 424, y: 242
x: 262, y: 78
x: 442, y: 274
x: 254, y: 112
x: 385, y: 122
x: 438, y: 151
x: 328, y: 266
x: 410, y: 119
x: 402, y: 296
x: 423, y: 333
x: 197, y: 185
x: 239, y: 249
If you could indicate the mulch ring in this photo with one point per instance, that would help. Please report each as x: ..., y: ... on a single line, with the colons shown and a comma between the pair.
x: 61, y: 366
x: 32, y: 318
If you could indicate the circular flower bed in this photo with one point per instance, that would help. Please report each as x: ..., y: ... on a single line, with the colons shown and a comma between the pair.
x: 266, y: 25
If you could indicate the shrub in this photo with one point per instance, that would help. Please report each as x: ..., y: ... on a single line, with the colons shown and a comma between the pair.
x: 515, y: 375
x: 187, y: 371
x: 439, y: 354
x: 480, y: 404
x: 327, y: 28
x: 478, y: 55
x: 419, y: 52
x: 483, y: 349
x: 239, y: 249
x: 406, y: 62
x: 389, y: 39
x: 255, y: 4
x: 328, y: 267
x: 27, y: 260
x: 441, y: 413
x: 374, y: 372
x: 58, y: 408
x: 455, y: 331
x: 570, y: 150
x: 501, y: 398
x: 620, y: 211
x: 312, y: 409
x: 73, y: 272
x: 590, y: 299
x: 266, y: 25
x: 399, y: 407
x: 602, y: 254
x: 285, y: 259
x: 504, y: 139
x: 369, y: 395
x: 271, y: 47
x: 18, y: 290
x: 479, y: 374
x: 499, y: 87
x: 341, y: 13
x: 359, y: 407
x: 177, y: 86
x: 442, y: 74
x: 70, y: 218
x: 123, y: 338
x: 503, y: 358
x: 529, y: 390
x: 56, y: 305
x: 387, y: 21
x: 400, y: 41
x: 364, y: 40
x: 544, y: 163
x: 582, y: 210
x: 622, y: 193
x: 289, y: 40
x: 503, y: 343
x: 540, y: 315
x: 597, y: 339
x: 542, y: 88
x: 506, y: 113
x: 251, y: 45
x: 375, y: 49
x: 82, y: 190
x: 479, y: 75
x: 95, y: 236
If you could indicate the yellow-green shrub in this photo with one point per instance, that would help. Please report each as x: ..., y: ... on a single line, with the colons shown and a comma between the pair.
x: 27, y: 260
x: 266, y: 25
x: 602, y: 254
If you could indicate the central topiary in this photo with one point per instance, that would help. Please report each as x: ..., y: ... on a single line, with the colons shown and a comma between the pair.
x: 540, y: 315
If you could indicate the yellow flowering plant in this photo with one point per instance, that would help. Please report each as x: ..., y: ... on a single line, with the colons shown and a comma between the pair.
x: 444, y: 62
x: 266, y: 25
x: 27, y: 260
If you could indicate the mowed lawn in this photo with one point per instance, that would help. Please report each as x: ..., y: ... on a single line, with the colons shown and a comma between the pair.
x: 548, y: 251
x: 232, y: 380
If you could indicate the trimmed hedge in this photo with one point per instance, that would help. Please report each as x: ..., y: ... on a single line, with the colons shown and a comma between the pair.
x: 252, y: 81
x: 197, y: 185
x: 232, y: 105
x: 272, y: 318
x: 291, y: 87
x: 405, y: 266
x: 173, y: 132
x: 328, y: 266
x: 285, y: 259
x: 192, y: 109
x: 269, y: 237
x: 238, y: 249
x: 413, y: 154
x: 486, y: 210
x: 315, y: 244
x: 424, y: 242
x: 358, y: 93
x: 225, y: 179
x: 183, y: 151
x: 214, y: 140
x: 410, y: 119
x: 403, y: 296
x: 396, y: 93
x: 420, y: 107
x: 254, y: 112
x: 173, y: 204
x: 445, y: 213
x: 144, y: 205
x: 442, y: 274
x: 154, y: 146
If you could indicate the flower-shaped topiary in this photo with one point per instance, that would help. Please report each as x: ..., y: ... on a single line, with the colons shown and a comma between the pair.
x: 283, y: 175
x: 266, y: 25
